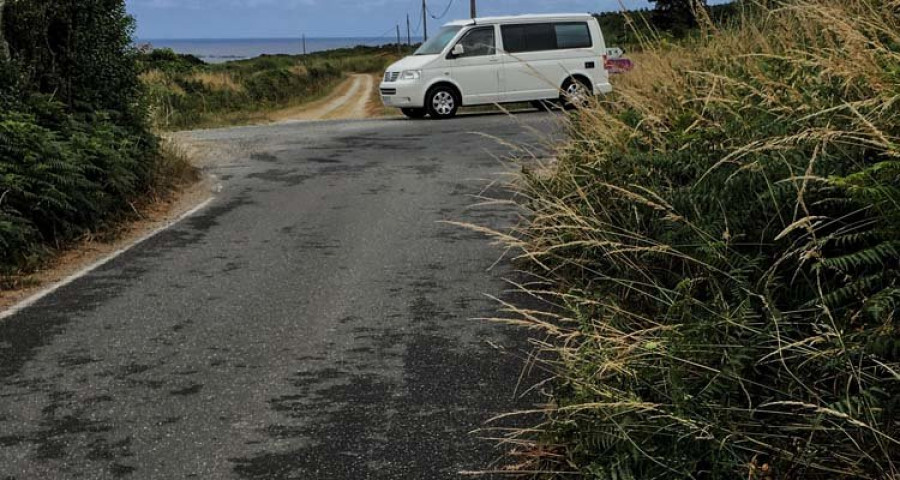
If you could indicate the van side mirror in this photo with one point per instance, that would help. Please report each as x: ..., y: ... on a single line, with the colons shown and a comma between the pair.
x: 459, y: 50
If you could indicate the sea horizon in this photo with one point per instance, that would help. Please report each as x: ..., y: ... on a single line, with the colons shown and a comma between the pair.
x: 240, y: 39
x: 219, y: 50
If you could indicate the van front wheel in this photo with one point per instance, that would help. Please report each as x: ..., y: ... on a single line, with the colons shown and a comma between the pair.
x: 442, y: 102
x: 414, y: 113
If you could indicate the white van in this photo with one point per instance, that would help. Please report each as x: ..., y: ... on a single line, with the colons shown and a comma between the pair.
x: 531, y: 58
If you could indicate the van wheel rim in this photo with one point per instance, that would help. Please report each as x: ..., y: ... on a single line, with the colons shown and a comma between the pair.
x: 576, y: 93
x: 443, y: 103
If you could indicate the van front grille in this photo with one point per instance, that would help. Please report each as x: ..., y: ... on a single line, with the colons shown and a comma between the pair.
x: 390, y: 77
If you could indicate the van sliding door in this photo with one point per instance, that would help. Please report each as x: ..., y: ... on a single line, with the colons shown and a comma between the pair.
x: 539, y: 57
x: 528, y: 64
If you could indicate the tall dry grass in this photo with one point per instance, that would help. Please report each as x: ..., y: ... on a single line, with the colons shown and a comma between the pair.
x: 719, y: 243
x: 222, y: 81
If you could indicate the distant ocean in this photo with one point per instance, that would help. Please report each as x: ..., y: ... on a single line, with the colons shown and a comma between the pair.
x: 218, y: 51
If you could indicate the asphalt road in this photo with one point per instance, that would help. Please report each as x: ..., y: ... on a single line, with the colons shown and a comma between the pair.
x: 314, y: 322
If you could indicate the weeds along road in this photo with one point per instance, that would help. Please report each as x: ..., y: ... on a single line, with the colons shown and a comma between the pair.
x: 314, y: 322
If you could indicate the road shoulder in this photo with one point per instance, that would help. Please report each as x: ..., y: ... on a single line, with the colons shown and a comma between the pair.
x: 93, y: 252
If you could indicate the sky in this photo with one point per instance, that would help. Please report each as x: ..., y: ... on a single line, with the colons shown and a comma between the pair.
x: 183, y: 19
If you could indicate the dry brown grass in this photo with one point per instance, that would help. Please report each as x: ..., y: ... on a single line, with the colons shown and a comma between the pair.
x: 221, y: 81
x: 299, y: 70
x: 159, y: 79
x: 698, y: 244
x: 376, y: 107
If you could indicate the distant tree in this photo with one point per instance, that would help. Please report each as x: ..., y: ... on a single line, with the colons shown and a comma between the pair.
x: 676, y: 16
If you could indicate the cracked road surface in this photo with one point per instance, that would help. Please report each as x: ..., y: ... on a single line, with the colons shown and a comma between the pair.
x: 314, y: 322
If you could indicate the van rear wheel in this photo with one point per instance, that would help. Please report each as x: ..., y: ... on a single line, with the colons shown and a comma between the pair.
x: 442, y: 102
x: 414, y: 113
x: 576, y: 93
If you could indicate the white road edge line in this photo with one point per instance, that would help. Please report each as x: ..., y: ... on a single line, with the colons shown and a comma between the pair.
x: 90, y: 268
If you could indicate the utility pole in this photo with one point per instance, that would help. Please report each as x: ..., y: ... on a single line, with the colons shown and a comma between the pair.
x: 425, y: 19
x: 408, y: 32
x: 399, y: 45
x: 473, y: 8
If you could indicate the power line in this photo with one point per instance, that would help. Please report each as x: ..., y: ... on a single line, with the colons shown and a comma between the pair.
x: 450, y: 4
x: 418, y: 27
x: 386, y: 34
x: 409, y: 5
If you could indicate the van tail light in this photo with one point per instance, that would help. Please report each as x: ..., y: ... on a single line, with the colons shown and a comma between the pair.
x: 606, y: 61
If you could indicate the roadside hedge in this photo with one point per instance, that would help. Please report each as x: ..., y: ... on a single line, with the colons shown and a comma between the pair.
x: 75, y: 148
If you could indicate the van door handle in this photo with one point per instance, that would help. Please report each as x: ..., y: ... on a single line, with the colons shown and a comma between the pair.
x: 494, y: 60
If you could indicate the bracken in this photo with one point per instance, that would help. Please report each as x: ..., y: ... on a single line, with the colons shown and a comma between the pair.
x: 719, y: 244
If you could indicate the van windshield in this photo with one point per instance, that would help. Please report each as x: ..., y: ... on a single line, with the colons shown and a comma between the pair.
x: 439, y: 42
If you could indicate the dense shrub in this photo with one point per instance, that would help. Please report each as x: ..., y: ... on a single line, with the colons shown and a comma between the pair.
x: 61, y: 181
x: 9, y: 87
x: 628, y: 29
x: 78, y: 50
x: 75, y: 149
x: 721, y: 241
x: 167, y: 60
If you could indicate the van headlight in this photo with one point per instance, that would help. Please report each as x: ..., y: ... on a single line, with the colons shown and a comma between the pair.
x: 411, y: 75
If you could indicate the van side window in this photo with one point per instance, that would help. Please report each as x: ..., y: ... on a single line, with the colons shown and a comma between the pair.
x: 532, y: 37
x: 479, y: 42
x: 573, y: 35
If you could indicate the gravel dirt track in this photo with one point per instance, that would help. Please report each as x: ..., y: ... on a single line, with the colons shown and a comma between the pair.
x: 349, y: 101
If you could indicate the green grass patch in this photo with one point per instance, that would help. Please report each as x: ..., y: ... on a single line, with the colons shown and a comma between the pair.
x: 185, y: 93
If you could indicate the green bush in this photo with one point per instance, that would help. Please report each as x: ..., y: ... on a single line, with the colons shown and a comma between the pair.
x: 723, y: 243
x: 629, y: 29
x: 167, y: 60
x: 79, y: 50
x: 75, y: 148
x: 9, y: 87
x: 61, y: 183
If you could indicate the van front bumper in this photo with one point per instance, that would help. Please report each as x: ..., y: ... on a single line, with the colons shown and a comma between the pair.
x: 402, y: 95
